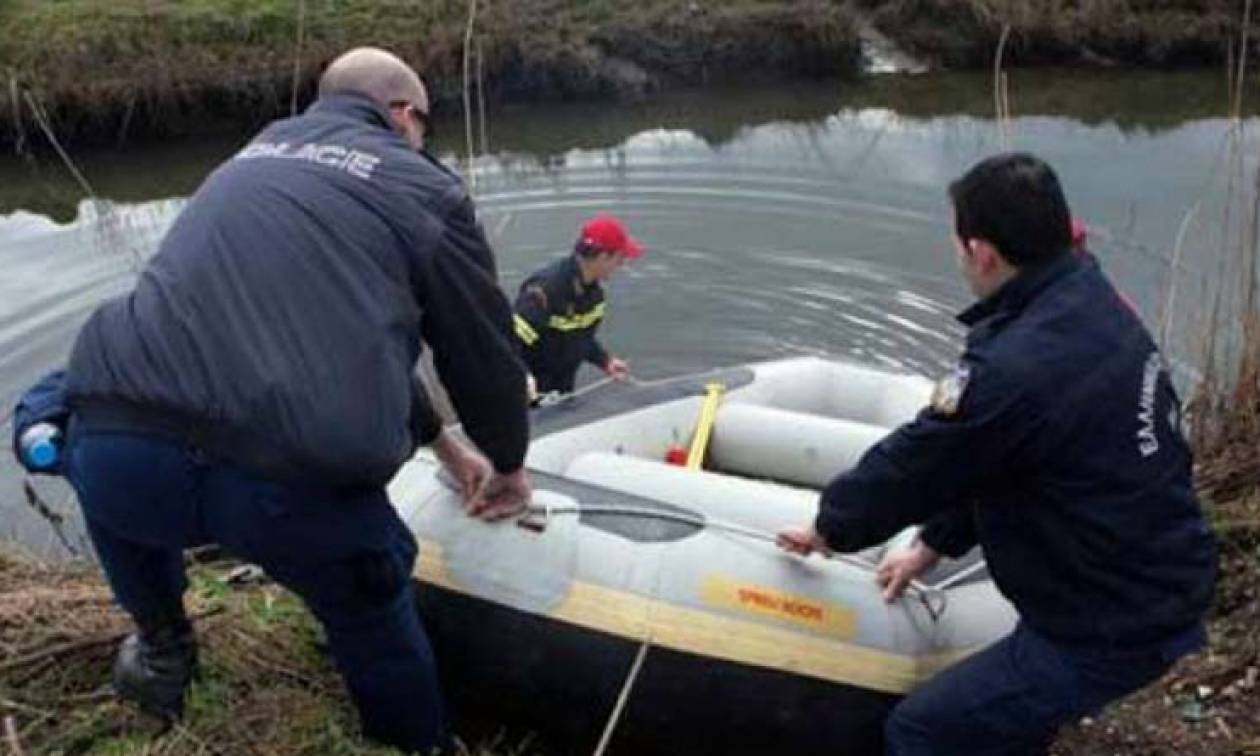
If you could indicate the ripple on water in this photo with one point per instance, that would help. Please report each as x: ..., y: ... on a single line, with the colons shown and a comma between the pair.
x: 749, y: 258
x: 748, y: 261
x: 54, y: 276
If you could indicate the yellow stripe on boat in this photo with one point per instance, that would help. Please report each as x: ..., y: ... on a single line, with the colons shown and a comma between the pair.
x: 720, y: 637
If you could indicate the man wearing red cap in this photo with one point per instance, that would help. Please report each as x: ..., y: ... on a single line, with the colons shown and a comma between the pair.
x: 560, y: 307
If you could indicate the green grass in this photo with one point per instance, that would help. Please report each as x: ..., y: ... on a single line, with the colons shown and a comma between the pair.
x: 93, y: 61
x: 1135, y: 32
x: 265, y: 683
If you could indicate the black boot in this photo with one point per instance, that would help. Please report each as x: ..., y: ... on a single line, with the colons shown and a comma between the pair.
x: 155, y: 665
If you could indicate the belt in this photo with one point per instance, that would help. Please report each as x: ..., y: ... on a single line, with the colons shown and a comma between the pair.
x: 245, y: 448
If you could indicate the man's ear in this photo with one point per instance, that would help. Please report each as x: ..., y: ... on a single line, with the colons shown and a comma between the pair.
x: 397, y: 122
x: 984, y: 253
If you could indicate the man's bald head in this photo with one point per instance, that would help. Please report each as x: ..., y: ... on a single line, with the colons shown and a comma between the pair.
x: 377, y: 74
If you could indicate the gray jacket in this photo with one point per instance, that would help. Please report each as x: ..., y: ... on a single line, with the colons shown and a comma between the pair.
x: 279, y: 324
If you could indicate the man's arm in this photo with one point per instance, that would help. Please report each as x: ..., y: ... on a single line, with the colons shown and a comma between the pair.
x: 529, y: 317
x: 467, y: 322
x: 932, y: 464
x: 424, y: 422
x: 952, y: 532
x: 595, y: 352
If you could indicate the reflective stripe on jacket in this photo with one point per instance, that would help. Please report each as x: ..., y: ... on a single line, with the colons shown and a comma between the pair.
x: 555, y: 322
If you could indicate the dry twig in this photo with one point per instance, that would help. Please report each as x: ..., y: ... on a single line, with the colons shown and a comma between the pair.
x: 297, y: 57
x: 67, y: 649
x: 468, y: 126
x: 1001, y: 99
x: 11, y: 735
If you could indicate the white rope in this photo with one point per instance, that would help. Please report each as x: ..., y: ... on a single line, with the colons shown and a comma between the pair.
x: 623, y: 696
x: 925, y: 594
x: 633, y: 676
x: 552, y: 398
x: 960, y: 576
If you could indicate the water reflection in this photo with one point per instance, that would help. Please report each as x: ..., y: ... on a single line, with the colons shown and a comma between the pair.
x: 777, y: 222
x: 1130, y: 102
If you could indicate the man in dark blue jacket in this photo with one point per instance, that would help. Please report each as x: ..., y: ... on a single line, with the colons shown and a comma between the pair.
x: 560, y: 307
x: 1056, y: 445
x: 257, y: 389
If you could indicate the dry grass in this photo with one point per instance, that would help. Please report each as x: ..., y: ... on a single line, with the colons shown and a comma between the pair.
x: 1209, y: 703
x: 266, y: 686
x: 154, y: 66
x: 1142, y: 32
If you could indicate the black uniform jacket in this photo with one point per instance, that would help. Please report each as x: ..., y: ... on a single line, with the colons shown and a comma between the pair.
x: 556, y: 319
x: 1056, y: 444
x: 280, y: 321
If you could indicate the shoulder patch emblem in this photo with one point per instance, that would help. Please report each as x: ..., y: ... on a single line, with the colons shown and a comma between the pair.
x: 538, y: 293
x: 949, y: 390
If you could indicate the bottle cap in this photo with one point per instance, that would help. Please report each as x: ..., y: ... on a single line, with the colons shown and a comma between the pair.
x: 42, y: 453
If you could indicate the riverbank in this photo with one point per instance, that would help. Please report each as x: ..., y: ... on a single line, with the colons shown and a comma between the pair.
x: 133, y: 68
x: 267, y: 685
x: 1156, y: 33
x: 136, y: 69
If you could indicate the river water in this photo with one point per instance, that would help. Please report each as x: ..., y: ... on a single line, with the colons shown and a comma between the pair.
x: 778, y: 219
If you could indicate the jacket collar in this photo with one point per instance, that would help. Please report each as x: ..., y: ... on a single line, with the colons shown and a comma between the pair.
x: 354, y: 106
x: 1016, y: 293
x: 574, y: 270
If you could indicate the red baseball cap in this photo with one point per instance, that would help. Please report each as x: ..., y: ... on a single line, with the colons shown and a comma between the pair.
x: 607, y: 233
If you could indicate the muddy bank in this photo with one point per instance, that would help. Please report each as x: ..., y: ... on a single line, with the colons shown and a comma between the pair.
x: 136, y: 69
x: 965, y: 33
x: 267, y: 685
x: 266, y: 682
x: 1209, y: 703
x: 109, y: 72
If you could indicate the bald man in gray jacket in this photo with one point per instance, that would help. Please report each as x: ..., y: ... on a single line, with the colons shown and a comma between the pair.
x: 257, y: 389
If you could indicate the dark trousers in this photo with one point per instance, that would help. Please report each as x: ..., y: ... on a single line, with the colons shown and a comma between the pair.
x: 1012, y: 697
x: 348, y: 556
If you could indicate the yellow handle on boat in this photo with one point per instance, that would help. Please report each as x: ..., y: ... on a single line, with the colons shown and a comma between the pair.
x: 704, y: 425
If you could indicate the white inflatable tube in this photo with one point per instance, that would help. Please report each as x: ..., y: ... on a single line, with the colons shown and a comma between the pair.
x: 751, y: 503
x: 793, y: 447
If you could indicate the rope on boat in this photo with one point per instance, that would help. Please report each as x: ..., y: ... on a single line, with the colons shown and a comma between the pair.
x: 631, y: 678
x: 933, y: 598
x: 552, y: 398
x: 535, y: 517
x: 960, y: 576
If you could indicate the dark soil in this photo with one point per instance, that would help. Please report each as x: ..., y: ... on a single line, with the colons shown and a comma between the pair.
x: 1164, y: 33
x: 106, y: 72
x: 144, y: 69
x: 1210, y: 702
x: 267, y: 686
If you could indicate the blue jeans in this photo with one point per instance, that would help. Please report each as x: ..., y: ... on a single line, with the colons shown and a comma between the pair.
x: 347, y: 555
x: 1012, y: 697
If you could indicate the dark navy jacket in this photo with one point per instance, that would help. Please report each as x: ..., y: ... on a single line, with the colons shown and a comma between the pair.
x: 280, y: 321
x: 1057, y: 446
x: 557, y: 316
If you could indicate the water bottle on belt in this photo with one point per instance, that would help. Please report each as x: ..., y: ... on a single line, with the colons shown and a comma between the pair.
x: 40, y: 447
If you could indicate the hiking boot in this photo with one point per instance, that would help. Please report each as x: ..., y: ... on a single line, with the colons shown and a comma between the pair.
x: 154, y: 667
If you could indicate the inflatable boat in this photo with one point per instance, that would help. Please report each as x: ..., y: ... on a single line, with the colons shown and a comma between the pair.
x: 637, y: 579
